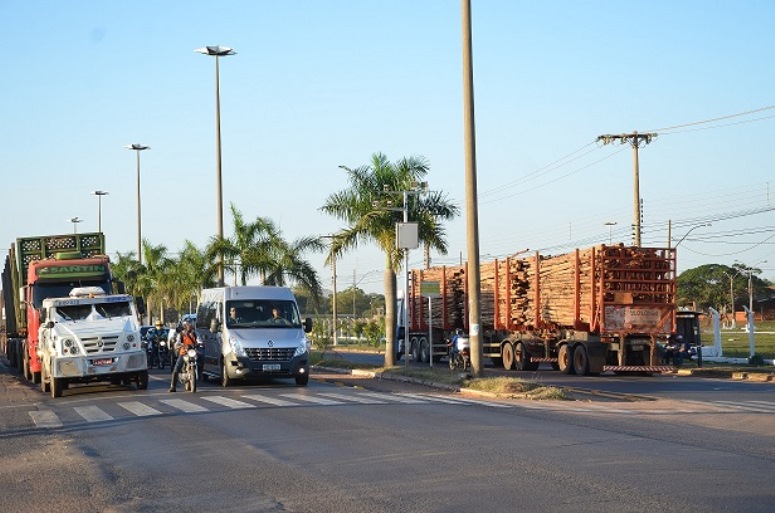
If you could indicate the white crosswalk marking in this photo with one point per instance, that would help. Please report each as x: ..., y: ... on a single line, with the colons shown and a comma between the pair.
x: 269, y: 400
x: 312, y: 399
x: 746, y: 405
x: 139, y: 409
x: 229, y: 403
x: 45, y: 419
x: 184, y: 406
x: 354, y: 398
x: 766, y: 404
x: 92, y: 414
x: 394, y: 398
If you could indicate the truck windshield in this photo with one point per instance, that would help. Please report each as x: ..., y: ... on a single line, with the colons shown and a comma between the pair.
x: 44, y: 290
x: 262, y: 313
x: 74, y: 312
x: 110, y: 310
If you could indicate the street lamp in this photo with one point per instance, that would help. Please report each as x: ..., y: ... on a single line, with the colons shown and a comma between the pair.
x: 75, y: 221
x: 218, y: 51
x: 610, y: 225
x: 137, y: 149
x: 750, y: 285
x: 690, y: 231
x: 99, y: 195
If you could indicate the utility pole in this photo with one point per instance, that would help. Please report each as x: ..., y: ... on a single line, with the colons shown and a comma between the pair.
x: 472, y: 207
x: 635, y: 140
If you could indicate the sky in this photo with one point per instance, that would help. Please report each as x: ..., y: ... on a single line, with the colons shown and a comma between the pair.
x: 319, y: 84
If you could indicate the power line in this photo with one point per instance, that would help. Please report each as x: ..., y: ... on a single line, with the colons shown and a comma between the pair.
x: 721, y: 118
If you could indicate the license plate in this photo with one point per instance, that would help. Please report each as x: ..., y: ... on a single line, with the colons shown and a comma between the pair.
x: 102, y: 362
x: 271, y: 367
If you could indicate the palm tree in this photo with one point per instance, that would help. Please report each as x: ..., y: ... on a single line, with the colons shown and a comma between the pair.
x: 365, y: 223
x: 155, y: 281
x: 259, y: 249
x: 189, y: 274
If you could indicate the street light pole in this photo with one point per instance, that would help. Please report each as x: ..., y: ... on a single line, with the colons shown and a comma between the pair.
x: 99, y: 195
x: 217, y: 52
x: 137, y: 149
x: 609, y: 224
x: 690, y: 231
x: 75, y: 221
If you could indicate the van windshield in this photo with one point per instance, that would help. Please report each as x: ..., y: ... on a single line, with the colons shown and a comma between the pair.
x: 262, y: 313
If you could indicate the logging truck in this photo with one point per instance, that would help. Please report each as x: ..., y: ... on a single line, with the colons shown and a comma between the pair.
x: 605, y: 308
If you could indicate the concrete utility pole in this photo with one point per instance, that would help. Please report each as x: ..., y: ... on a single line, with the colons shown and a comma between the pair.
x: 472, y: 208
x: 635, y: 139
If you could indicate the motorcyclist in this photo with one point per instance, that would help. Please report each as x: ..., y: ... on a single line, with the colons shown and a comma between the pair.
x: 187, y: 339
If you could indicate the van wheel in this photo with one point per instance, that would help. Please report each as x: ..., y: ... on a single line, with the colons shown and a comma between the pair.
x: 302, y: 380
x: 225, y: 379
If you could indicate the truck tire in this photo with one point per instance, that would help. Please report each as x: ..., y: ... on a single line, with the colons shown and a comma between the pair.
x: 564, y: 360
x: 26, y: 363
x: 581, y: 360
x: 507, y: 355
x: 44, y: 380
x: 57, y: 386
x: 415, y: 349
x: 425, y: 353
x: 142, y: 380
x: 521, y: 357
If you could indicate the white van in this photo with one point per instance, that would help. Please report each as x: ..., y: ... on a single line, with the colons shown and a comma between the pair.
x: 253, y: 332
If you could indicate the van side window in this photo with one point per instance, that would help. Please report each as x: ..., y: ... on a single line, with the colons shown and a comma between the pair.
x: 204, y: 315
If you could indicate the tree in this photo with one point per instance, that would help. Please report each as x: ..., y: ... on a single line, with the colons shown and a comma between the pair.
x: 709, y: 285
x: 365, y: 223
x: 259, y: 249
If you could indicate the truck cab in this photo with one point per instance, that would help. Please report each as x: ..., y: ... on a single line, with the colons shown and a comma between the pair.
x: 90, y: 336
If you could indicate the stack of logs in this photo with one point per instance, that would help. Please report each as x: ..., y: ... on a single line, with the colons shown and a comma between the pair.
x: 625, y: 274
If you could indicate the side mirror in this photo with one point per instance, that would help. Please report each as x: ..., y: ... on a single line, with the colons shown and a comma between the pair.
x: 120, y: 286
x: 140, y: 303
x: 50, y: 324
x: 215, y: 325
x: 308, y: 325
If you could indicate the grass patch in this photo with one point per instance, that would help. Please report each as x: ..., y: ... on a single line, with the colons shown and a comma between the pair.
x: 516, y: 387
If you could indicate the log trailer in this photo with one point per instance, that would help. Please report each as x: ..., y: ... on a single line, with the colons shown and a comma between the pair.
x: 43, y: 267
x: 604, y: 308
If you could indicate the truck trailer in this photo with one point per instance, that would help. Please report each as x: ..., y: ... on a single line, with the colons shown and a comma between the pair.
x: 42, y: 267
x: 605, y: 308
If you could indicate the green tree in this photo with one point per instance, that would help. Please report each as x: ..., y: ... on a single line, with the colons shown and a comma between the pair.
x: 365, y: 223
x: 259, y: 249
x: 709, y: 286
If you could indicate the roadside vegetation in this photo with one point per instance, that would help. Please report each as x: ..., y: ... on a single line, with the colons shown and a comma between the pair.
x: 497, y: 385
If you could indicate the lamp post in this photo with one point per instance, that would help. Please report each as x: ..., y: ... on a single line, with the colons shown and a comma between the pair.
x: 217, y: 52
x: 99, y: 195
x: 75, y: 221
x: 750, y: 285
x: 690, y: 231
x: 137, y: 148
x: 610, y: 225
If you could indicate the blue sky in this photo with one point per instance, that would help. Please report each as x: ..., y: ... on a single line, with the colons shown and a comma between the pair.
x: 316, y: 84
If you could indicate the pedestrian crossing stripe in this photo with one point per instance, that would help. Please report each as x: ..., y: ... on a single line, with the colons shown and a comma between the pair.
x: 49, y: 419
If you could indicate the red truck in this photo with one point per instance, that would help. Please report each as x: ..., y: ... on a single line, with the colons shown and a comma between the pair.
x: 605, y: 308
x: 38, y: 268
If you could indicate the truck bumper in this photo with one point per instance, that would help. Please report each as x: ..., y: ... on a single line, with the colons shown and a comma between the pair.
x: 85, y: 366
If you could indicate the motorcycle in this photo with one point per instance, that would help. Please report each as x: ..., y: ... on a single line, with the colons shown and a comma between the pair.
x: 460, y: 357
x: 190, y: 370
x: 151, y: 351
x: 162, y: 351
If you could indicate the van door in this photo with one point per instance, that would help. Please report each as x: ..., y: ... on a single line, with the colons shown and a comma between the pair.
x: 212, y: 341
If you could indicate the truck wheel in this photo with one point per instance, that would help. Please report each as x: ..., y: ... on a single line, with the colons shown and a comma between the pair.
x: 520, y: 357
x: 564, y: 363
x: 142, y: 380
x: 581, y: 360
x: 56, y: 387
x: 26, y: 364
x: 225, y: 379
x: 425, y: 354
x: 44, y: 380
x: 507, y: 355
x: 415, y: 349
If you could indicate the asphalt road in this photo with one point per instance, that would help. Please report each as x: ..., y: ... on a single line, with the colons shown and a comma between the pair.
x: 343, y: 445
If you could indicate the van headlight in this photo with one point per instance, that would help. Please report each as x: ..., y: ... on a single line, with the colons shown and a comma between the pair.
x: 301, y: 349
x: 236, y: 347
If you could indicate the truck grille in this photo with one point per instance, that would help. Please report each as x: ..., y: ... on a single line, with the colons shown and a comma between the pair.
x: 271, y: 354
x: 94, y: 345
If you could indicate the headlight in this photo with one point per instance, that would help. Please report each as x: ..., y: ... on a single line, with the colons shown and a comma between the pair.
x: 130, y: 338
x: 192, y: 353
x: 301, y: 349
x: 236, y: 347
x: 67, y: 342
